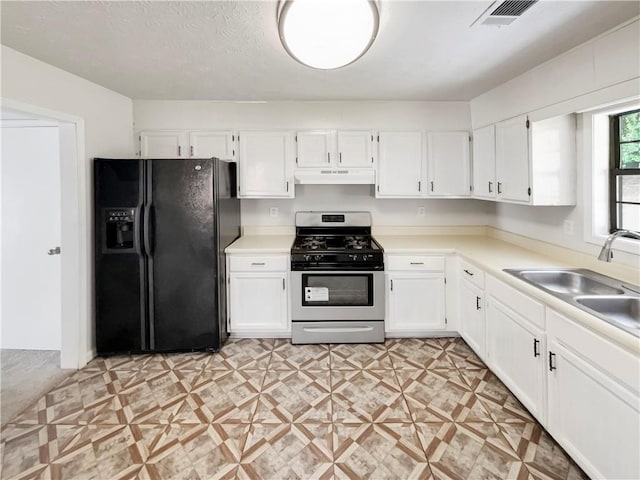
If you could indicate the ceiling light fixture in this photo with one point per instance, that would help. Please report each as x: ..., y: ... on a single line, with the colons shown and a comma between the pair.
x: 327, y: 34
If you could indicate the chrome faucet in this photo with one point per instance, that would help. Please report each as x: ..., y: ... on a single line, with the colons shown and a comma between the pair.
x: 605, y: 253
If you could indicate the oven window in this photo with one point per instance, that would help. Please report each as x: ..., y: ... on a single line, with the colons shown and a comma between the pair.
x: 349, y: 289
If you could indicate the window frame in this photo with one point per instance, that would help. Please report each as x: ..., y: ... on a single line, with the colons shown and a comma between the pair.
x: 615, y: 172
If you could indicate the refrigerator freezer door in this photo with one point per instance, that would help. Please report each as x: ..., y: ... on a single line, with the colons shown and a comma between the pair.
x: 120, y: 288
x: 183, y: 260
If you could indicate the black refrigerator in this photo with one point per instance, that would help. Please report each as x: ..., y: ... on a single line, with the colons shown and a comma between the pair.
x: 161, y: 227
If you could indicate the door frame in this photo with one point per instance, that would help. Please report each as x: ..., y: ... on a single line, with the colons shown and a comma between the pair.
x: 76, y: 280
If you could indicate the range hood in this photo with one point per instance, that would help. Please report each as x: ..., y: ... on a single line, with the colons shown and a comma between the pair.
x: 335, y: 176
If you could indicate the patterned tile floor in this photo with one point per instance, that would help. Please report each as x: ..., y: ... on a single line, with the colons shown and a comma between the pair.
x: 265, y: 409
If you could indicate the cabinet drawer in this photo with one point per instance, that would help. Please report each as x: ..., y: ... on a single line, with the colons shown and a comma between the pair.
x: 276, y: 263
x: 522, y: 304
x: 471, y: 273
x: 415, y: 262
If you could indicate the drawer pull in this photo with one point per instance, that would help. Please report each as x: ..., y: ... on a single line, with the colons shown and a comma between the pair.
x: 257, y: 264
x: 468, y: 272
x: 417, y: 263
x: 536, y: 350
x: 552, y: 364
x: 477, y: 303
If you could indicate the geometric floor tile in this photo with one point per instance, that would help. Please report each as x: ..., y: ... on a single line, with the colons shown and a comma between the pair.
x: 295, y: 396
x: 385, y: 450
x: 440, y: 395
x: 288, y: 451
x: 243, y: 354
x: 286, y: 356
x: 354, y: 356
x: 415, y: 353
x: 367, y: 396
x: 226, y: 396
x: 543, y: 457
x: 469, y: 450
x: 265, y: 408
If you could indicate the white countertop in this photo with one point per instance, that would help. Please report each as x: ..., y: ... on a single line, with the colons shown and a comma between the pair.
x: 491, y: 255
x: 261, y: 244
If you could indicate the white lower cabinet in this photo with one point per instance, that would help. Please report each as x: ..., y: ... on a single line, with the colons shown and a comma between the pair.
x: 415, y: 295
x: 472, y: 321
x: 594, y: 405
x: 515, y: 353
x: 258, y: 296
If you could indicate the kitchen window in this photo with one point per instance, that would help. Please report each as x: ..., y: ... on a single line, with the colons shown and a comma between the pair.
x: 624, y: 171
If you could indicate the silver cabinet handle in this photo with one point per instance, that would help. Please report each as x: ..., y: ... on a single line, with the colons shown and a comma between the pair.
x: 432, y: 186
x: 477, y: 303
x: 499, y: 187
x: 340, y: 159
x: 419, y: 186
x: 191, y: 150
x: 328, y: 157
x: 490, y: 187
x: 179, y: 151
x: 54, y: 251
x: 392, y: 285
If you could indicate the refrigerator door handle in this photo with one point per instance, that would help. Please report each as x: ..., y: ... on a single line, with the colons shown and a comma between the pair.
x: 137, y: 226
x: 148, y: 239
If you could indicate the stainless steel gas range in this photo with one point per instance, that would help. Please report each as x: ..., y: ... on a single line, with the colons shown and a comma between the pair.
x: 337, y: 279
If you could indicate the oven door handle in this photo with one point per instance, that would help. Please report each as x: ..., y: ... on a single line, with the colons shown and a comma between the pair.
x: 337, y: 329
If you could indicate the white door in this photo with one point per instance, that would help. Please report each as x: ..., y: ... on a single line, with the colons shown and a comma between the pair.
x: 164, y: 144
x: 31, y: 225
x: 512, y: 160
x: 354, y: 149
x: 448, y: 163
x: 472, y: 313
x: 484, y: 162
x: 400, y: 159
x: 258, y: 302
x: 315, y: 148
x: 266, y: 164
x: 416, y: 302
x: 515, y: 353
x: 207, y: 144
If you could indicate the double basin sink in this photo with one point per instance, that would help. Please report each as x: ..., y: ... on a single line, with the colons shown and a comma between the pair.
x: 611, y: 300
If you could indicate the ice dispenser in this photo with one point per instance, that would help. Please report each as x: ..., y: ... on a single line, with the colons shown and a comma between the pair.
x: 119, y: 229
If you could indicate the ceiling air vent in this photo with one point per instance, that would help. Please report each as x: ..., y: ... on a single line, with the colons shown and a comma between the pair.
x: 504, y: 13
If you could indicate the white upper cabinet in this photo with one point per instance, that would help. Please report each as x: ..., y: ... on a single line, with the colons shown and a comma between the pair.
x: 448, y: 164
x: 484, y: 162
x: 536, y: 160
x: 164, y: 144
x: 265, y: 164
x: 354, y: 148
x: 315, y: 148
x: 185, y: 144
x: 207, y: 144
x: 512, y: 159
x: 400, y: 164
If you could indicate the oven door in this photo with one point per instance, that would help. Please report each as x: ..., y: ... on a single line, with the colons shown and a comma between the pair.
x: 337, y: 295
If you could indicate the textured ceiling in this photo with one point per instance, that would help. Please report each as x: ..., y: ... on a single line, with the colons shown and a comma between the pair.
x: 425, y: 50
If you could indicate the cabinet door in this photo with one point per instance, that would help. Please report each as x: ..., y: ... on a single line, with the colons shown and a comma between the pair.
x: 594, y: 409
x: 416, y: 302
x: 400, y: 159
x: 206, y: 144
x: 448, y: 163
x: 314, y: 149
x: 512, y: 160
x: 258, y: 302
x: 484, y: 162
x: 164, y: 144
x: 265, y: 164
x: 354, y: 149
x: 515, y: 353
x: 472, y: 317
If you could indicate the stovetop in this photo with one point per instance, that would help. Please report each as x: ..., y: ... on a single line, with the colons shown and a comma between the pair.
x: 335, y: 243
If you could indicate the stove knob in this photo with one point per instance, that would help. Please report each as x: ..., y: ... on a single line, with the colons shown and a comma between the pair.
x: 307, y: 258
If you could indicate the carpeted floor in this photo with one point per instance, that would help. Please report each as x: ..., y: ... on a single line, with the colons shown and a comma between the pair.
x: 27, y: 375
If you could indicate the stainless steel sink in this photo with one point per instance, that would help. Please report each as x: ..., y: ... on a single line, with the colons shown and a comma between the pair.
x: 607, y: 298
x: 623, y: 309
x: 569, y: 282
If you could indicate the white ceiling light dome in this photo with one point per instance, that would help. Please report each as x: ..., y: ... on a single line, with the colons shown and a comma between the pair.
x: 327, y: 34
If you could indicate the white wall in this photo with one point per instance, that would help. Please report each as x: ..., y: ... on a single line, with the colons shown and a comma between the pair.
x: 151, y: 115
x: 108, y: 120
x: 602, y: 71
x: 30, y: 298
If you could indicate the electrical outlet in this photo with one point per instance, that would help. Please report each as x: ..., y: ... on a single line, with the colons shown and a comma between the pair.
x: 421, y: 211
x: 568, y: 227
x: 273, y: 212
